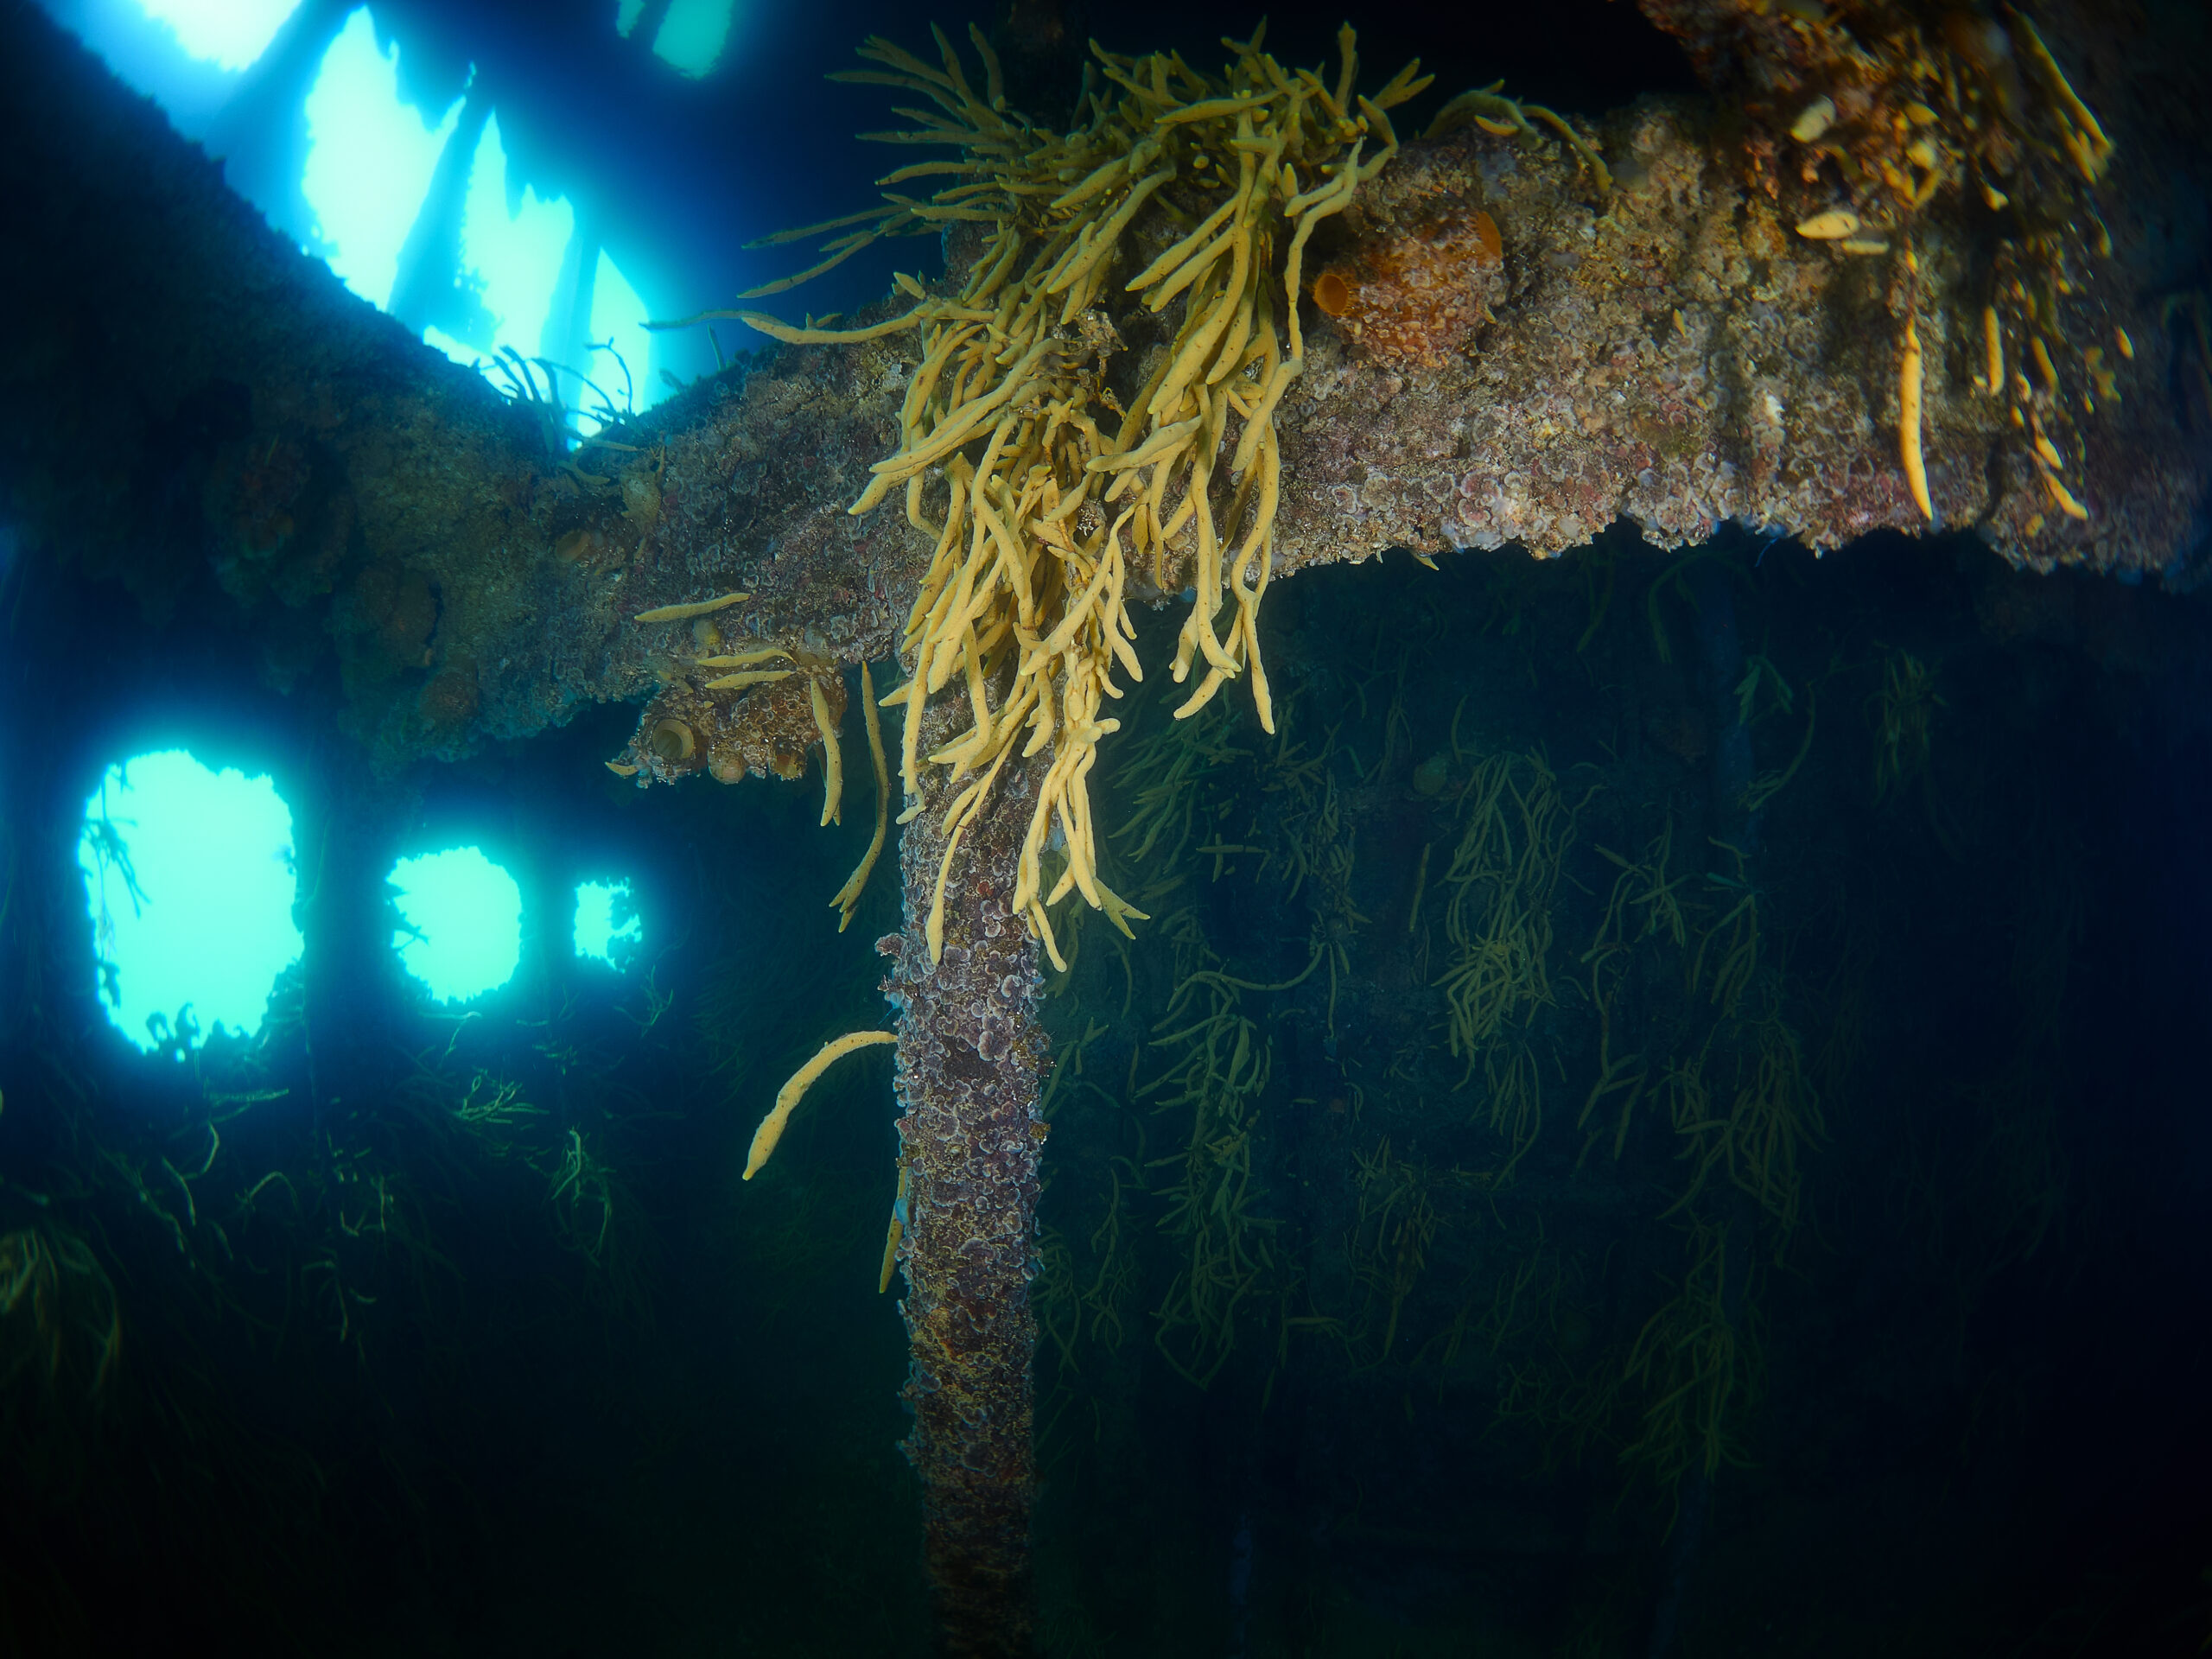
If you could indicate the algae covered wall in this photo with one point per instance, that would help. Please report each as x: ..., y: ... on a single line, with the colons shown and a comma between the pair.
x: 1669, y: 349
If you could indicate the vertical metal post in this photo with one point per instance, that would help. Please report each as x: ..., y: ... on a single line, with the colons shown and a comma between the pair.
x: 970, y: 1050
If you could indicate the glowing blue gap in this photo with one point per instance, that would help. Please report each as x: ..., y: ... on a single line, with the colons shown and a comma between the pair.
x: 371, y: 159
x: 607, y: 923
x: 692, y: 35
x: 229, y: 34
x: 462, y: 922
x: 189, y: 883
x: 618, y: 325
x: 626, y: 13
x: 459, y: 350
x: 143, y: 46
x: 369, y: 162
x: 515, y: 255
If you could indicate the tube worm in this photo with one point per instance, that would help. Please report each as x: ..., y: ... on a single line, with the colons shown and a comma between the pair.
x: 1916, y: 470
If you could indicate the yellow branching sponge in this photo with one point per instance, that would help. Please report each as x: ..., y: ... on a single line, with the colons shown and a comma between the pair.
x: 1023, y: 609
x: 1909, y: 390
x: 788, y: 1097
x: 847, y: 897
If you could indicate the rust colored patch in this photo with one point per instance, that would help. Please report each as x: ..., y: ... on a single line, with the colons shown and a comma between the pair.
x: 1491, y: 246
x: 579, y: 546
x: 1418, y: 295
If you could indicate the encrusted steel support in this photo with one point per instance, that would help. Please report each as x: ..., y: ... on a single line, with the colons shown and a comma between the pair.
x: 970, y: 1052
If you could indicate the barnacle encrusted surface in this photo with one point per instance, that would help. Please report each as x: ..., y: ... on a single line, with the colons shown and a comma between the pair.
x: 1673, y: 352
x: 1680, y: 357
x: 1894, y: 130
x: 763, y: 732
x: 970, y: 1055
x: 437, y: 539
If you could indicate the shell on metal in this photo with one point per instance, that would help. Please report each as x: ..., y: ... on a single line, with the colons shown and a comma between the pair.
x: 1816, y: 118
x: 672, y: 741
x: 1831, y: 226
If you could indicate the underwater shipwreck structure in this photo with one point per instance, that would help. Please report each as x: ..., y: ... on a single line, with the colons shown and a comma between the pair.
x: 1906, y: 268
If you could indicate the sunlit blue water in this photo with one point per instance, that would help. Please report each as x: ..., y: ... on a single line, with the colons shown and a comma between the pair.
x: 189, y: 877
x: 609, y: 928
x: 462, y: 916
